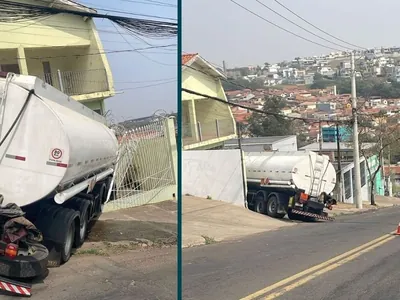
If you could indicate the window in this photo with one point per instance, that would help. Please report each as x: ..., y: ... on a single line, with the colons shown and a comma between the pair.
x: 13, y: 68
x: 98, y: 111
x: 362, y: 172
x: 347, y: 184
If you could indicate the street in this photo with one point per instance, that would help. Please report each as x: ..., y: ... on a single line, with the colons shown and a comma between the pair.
x: 278, y: 264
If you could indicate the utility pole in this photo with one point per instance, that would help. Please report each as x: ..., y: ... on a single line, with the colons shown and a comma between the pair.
x: 356, y: 150
x: 389, y: 180
x: 339, y: 178
x: 239, y: 131
x: 320, y: 137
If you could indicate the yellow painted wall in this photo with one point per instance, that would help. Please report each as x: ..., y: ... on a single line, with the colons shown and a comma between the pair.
x: 207, y: 110
x: 198, y: 82
x: 94, y: 105
x: 56, y: 39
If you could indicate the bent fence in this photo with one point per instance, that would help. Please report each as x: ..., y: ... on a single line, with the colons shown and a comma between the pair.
x: 146, y: 167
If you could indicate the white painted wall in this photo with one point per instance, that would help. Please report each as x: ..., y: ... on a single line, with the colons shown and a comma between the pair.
x: 287, y: 144
x: 213, y: 173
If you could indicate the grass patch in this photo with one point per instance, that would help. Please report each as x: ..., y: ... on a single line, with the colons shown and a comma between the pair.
x: 91, y: 251
x: 208, y: 240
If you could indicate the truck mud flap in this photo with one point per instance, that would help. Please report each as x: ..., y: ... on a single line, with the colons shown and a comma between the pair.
x: 15, y: 288
x: 308, y: 214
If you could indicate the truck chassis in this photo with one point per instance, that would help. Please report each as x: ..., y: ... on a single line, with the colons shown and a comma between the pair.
x: 277, y: 202
x: 75, y: 215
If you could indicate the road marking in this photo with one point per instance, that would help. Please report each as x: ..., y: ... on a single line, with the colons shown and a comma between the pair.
x: 315, y: 268
x: 325, y: 270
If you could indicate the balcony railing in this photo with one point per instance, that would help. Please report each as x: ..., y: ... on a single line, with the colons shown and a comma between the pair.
x: 206, y: 131
x: 75, y: 83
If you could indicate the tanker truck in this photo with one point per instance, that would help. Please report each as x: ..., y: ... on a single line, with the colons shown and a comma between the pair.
x: 296, y: 183
x: 57, y: 159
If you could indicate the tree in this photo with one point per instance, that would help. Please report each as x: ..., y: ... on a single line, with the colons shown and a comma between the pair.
x: 383, y: 132
x: 271, y: 123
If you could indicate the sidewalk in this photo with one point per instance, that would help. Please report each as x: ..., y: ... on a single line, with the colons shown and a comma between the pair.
x: 346, y: 209
x: 207, y: 221
x: 147, y: 225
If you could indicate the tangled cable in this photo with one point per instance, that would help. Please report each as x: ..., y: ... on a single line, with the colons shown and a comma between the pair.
x: 14, y: 12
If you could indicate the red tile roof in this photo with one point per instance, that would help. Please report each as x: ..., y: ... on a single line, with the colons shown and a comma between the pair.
x: 187, y: 57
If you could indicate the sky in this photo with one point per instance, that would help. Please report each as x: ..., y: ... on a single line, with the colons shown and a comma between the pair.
x: 155, y: 85
x: 220, y: 30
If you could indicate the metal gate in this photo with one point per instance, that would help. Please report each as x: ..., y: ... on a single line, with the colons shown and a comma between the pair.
x: 145, y: 166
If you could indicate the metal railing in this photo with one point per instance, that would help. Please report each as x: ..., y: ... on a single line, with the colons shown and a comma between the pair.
x: 80, y: 82
x: 205, y: 131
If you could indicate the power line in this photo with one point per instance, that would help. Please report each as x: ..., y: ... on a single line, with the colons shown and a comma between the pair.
x: 301, y: 27
x: 12, y: 11
x: 145, y: 56
x: 284, y: 29
x: 150, y: 2
x: 96, y: 53
x: 150, y: 85
x: 316, y: 27
x: 258, y: 110
x: 103, y: 8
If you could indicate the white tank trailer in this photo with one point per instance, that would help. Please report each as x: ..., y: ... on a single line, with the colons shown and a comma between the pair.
x: 57, y: 158
x: 296, y: 183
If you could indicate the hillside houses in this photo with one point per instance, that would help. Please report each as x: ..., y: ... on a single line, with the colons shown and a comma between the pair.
x: 309, y: 104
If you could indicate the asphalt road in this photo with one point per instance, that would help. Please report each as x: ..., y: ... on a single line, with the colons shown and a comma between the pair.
x: 235, y: 270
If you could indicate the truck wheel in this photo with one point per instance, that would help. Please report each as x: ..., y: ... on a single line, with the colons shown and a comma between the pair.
x: 68, y: 244
x: 272, y: 208
x: 260, y: 206
x: 83, y: 229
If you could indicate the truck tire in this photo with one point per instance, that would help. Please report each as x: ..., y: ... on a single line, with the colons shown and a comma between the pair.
x: 260, y: 205
x: 273, y: 206
x: 80, y: 236
x: 83, y: 207
x: 68, y: 245
x: 100, y: 193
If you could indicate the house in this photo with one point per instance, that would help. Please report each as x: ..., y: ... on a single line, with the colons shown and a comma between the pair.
x: 347, y: 178
x: 206, y: 123
x: 330, y: 149
x: 64, y: 50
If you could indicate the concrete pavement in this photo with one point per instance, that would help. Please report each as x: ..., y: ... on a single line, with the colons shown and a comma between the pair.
x: 236, y: 269
x: 207, y: 221
x: 136, y: 274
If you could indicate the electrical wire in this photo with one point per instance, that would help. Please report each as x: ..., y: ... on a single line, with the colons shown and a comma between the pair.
x: 95, y: 53
x: 14, y: 11
x: 102, y: 8
x: 150, y: 85
x: 316, y: 27
x: 151, y: 2
x: 145, y: 56
x: 284, y: 29
x: 301, y: 27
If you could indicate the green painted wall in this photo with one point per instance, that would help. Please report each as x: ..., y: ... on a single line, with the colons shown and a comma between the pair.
x: 379, y: 182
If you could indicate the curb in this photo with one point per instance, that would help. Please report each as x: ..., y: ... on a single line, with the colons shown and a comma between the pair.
x: 358, y: 212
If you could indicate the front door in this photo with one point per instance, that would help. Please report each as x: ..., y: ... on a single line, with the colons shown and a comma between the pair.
x: 47, y: 72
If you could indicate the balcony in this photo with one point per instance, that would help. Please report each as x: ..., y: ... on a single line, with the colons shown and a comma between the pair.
x: 74, y: 83
x: 207, y: 134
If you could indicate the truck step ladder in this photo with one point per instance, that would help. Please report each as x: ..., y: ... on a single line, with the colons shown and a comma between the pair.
x: 318, y: 173
x: 15, y: 287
